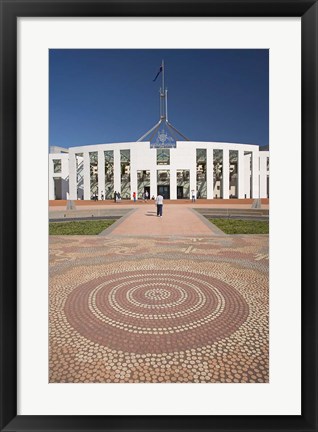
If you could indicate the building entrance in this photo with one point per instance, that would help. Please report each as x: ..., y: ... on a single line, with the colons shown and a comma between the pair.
x: 183, y: 184
x: 179, y: 192
x: 58, y: 188
x: 164, y: 191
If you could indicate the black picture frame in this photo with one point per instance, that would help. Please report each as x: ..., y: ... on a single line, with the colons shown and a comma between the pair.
x: 10, y: 11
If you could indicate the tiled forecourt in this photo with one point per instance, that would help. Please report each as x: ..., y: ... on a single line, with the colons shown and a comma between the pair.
x: 159, y: 309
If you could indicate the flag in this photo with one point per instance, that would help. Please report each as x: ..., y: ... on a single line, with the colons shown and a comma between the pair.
x: 160, y: 70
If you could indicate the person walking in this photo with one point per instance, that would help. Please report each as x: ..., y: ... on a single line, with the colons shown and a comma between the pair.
x: 159, y: 202
x: 115, y: 196
x: 134, y: 196
x: 193, y: 195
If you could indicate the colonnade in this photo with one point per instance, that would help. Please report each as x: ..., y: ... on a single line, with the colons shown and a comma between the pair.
x: 252, y: 172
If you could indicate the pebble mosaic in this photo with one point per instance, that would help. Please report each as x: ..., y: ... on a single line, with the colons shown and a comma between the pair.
x: 159, y: 310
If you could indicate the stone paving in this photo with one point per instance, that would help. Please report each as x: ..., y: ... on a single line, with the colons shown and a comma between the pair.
x: 159, y: 309
x: 176, y: 220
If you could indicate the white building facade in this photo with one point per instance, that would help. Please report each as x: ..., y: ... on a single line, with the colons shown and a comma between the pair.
x: 162, y: 161
x: 210, y: 169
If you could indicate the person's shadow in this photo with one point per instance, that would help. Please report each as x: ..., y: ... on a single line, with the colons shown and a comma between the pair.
x: 150, y: 213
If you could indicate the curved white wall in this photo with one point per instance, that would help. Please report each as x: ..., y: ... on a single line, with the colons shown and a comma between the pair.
x: 142, y: 157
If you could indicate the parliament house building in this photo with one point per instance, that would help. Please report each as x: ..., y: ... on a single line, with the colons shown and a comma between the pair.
x: 162, y: 161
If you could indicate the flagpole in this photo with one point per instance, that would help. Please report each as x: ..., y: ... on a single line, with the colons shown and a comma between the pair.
x: 166, y: 93
x: 163, y: 75
x: 164, y: 114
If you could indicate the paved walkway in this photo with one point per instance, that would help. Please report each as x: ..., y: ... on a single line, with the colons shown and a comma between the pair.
x: 176, y: 221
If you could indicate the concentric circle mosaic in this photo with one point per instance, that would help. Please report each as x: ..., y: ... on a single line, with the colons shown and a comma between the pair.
x: 155, y: 311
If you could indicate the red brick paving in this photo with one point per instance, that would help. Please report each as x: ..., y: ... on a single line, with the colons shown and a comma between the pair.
x: 176, y: 220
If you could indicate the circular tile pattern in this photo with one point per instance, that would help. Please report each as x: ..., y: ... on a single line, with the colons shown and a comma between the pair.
x: 157, y: 294
x: 155, y: 311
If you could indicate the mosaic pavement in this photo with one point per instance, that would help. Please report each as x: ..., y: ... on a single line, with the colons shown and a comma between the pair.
x: 159, y: 309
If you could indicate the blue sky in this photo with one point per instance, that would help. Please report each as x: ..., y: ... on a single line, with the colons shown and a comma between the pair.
x: 105, y: 96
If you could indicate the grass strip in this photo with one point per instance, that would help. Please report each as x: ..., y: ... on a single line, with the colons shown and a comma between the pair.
x: 239, y: 226
x: 79, y: 227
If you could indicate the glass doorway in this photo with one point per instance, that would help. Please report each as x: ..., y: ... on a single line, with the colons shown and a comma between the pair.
x: 183, y: 184
x: 164, y: 191
x: 179, y: 192
x: 163, y: 183
x: 58, y: 188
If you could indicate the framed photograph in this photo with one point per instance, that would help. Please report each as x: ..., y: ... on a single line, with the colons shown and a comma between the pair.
x: 181, y: 311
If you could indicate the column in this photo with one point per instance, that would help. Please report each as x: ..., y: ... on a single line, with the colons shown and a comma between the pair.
x: 247, y: 175
x: 255, y: 174
x: 193, y: 172
x: 267, y: 177
x: 117, y: 171
x: 226, y: 173
x: 87, y: 176
x: 173, y: 184
x: 241, y: 175
x: 65, y: 178
x: 133, y: 173
x: 263, y: 176
x: 153, y: 182
x: 72, y: 176
x: 101, y: 173
x: 209, y: 173
x: 51, y: 180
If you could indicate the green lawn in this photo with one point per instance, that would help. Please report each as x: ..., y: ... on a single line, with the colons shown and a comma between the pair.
x: 93, y: 227
x: 238, y: 226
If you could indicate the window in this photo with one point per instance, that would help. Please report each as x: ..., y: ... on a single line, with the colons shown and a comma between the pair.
x: 201, y: 173
x: 125, y: 173
x: 109, y: 173
x: 163, y: 157
x: 57, y: 165
x: 93, y: 169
